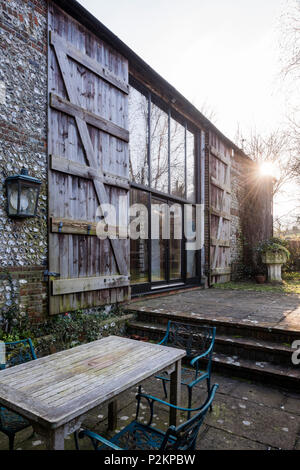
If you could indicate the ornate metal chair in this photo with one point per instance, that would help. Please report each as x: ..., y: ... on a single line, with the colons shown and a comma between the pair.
x: 138, y: 436
x: 198, y: 341
x: 16, y: 353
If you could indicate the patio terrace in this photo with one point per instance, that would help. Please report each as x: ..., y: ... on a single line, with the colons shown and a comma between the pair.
x: 266, y: 309
x: 246, y: 416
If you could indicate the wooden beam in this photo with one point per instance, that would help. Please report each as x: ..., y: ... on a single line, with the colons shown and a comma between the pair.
x: 218, y: 213
x: 65, y: 106
x: 220, y: 271
x: 85, y: 284
x: 91, y: 64
x: 220, y: 156
x: 219, y: 185
x: 82, y: 227
x: 216, y: 242
x: 70, y: 167
x: 221, y: 218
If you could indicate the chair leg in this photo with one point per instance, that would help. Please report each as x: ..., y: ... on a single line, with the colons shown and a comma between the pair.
x: 208, y: 390
x: 190, y: 393
x: 11, y: 439
x: 165, y: 388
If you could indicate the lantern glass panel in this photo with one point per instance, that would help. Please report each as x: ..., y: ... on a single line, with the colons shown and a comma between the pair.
x: 13, y: 198
x: 28, y: 199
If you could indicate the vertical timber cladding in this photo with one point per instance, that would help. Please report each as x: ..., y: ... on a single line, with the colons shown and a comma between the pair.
x: 219, y: 210
x: 88, y: 165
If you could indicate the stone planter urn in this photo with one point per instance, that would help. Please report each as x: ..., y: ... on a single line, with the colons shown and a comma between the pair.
x: 274, y: 261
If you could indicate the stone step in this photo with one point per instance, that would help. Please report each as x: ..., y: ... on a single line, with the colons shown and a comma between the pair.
x: 225, y: 326
x: 283, y: 376
x: 262, y: 360
x: 248, y: 348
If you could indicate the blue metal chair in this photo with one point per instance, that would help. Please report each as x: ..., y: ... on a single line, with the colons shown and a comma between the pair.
x: 198, y: 342
x: 138, y: 436
x: 16, y: 353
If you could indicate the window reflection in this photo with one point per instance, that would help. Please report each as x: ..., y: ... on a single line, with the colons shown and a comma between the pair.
x: 175, y: 241
x: 138, y: 142
x: 190, y: 163
x: 139, y: 247
x: 158, y: 243
x: 177, y: 164
x: 190, y: 224
x: 163, y: 132
x: 159, y: 138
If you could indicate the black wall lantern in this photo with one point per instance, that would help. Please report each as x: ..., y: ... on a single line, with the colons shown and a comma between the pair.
x: 22, y: 195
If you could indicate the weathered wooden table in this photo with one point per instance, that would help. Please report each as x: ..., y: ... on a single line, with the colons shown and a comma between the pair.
x: 56, y: 392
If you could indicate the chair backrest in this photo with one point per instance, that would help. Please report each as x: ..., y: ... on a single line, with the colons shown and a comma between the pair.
x: 186, y: 434
x: 17, y: 352
x: 195, y: 339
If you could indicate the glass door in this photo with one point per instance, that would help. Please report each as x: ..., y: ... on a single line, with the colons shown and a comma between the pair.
x: 166, y: 242
x: 158, y: 242
x: 175, y: 243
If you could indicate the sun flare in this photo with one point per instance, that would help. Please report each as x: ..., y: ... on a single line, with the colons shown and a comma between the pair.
x: 267, y: 169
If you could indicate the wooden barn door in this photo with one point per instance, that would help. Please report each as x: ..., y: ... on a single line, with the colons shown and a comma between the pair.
x: 219, y: 211
x: 88, y: 166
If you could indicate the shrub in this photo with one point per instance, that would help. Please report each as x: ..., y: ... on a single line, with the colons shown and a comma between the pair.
x: 293, y: 263
x: 273, y: 245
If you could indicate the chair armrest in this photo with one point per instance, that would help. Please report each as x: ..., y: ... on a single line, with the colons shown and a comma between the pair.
x: 166, y: 335
x: 152, y: 399
x: 203, y: 354
x: 164, y: 339
x: 101, y: 439
x: 32, y: 349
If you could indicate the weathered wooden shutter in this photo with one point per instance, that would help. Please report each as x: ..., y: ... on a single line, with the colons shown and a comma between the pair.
x: 219, y: 211
x: 88, y: 165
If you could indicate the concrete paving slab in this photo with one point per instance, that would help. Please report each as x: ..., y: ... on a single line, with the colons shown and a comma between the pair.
x: 271, y: 427
x: 217, y: 439
x: 259, y: 394
x: 292, y: 404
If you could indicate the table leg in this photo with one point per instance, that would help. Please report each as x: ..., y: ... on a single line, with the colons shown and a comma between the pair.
x: 55, y: 440
x: 112, y: 415
x: 175, y: 392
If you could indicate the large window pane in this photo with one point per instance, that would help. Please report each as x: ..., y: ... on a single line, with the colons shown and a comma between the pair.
x: 159, y: 139
x: 190, y: 224
x: 190, y: 159
x: 177, y: 165
x: 139, y: 247
x: 158, y: 243
x: 138, y: 131
x: 175, y: 242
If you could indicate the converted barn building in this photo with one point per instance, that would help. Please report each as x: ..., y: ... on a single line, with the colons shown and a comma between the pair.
x: 92, y: 122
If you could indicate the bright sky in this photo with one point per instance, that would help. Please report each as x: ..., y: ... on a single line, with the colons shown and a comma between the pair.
x: 221, y: 53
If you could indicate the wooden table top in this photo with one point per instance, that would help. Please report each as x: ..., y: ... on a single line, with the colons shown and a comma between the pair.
x: 55, y: 389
